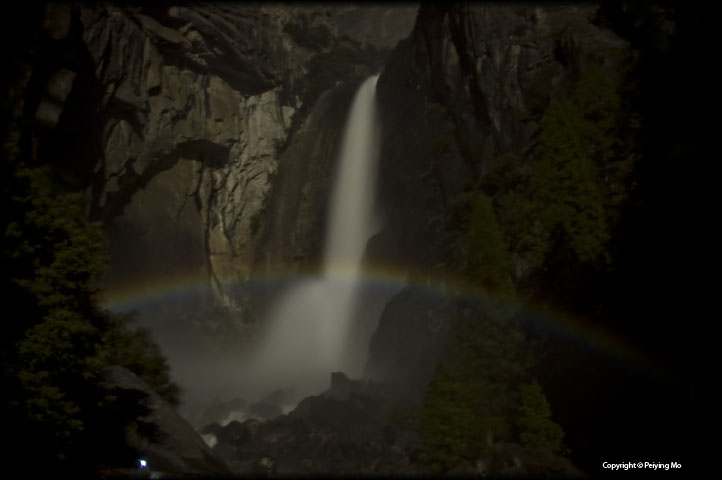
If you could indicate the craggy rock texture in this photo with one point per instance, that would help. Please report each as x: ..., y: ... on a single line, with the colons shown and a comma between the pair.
x: 466, y: 86
x: 382, y: 25
x: 175, y: 117
x: 484, y: 68
x: 410, y: 340
x: 199, y: 95
x: 180, y: 122
x: 292, y: 235
x: 344, y: 430
x: 354, y: 428
x: 170, y: 444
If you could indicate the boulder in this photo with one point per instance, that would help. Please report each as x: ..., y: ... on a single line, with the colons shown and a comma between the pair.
x: 234, y: 433
x: 161, y: 436
x: 218, y: 411
x: 511, y: 459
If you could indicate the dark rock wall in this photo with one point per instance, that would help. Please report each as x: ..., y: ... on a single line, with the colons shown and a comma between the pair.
x: 381, y: 25
x: 467, y: 85
x: 174, y: 118
x: 412, y: 337
x: 158, y: 434
x: 292, y: 237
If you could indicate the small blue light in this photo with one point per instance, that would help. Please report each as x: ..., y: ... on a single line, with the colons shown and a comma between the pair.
x: 143, y: 463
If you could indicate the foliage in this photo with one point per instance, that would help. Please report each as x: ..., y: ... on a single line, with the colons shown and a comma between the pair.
x: 483, y: 257
x: 135, y: 349
x: 604, y: 129
x: 568, y: 197
x: 454, y: 421
x: 563, y: 200
x: 614, y: 201
x: 534, y: 420
x: 55, y: 351
x: 479, y: 394
x: 565, y: 186
x: 52, y: 252
x: 487, y: 258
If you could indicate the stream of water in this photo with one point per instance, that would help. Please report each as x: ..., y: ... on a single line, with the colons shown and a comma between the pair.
x: 309, y: 329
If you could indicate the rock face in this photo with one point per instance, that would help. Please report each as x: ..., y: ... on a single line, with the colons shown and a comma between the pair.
x: 198, y: 103
x: 173, y: 446
x: 178, y: 120
x: 342, y: 431
x: 412, y: 336
x: 292, y: 235
x: 217, y: 411
x: 459, y: 91
x: 462, y: 90
x: 354, y: 428
x: 379, y: 25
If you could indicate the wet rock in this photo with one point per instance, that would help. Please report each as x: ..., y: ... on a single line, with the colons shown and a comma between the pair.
x: 341, y: 386
x: 234, y: 433
x: 265, y: 410
x: 220, y: 411
x: 325, y: 434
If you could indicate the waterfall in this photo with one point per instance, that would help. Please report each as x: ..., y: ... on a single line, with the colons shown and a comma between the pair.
x: 309, y: 328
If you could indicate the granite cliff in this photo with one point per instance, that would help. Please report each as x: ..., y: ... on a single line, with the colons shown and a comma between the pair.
x: 209, y: 134
x: 177, y: 120
x: 479, y: 111
x: 465, y: 88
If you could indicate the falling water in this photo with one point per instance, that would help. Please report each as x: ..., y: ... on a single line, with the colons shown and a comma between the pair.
x: 309, y: 329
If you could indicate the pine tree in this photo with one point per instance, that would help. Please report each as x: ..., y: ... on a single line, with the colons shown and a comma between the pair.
x: 58, y: 344
x: 472, y: 398
x: 566, y: 187
x: 488, y: 263
x: 536, y: 428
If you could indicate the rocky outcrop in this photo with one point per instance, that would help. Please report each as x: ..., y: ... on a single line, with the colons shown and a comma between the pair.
x: 512, y: 460
x: 467, y: 86
x: 175, y: 118
x: 354, y: 428
x: 412, y: 337
x: 380, y: 25
x: 291, y: 238
x: 216, y: 411
x: 201, y: 151
x: 345, y: 430
x: 197, y: 102
x: 159, y: 435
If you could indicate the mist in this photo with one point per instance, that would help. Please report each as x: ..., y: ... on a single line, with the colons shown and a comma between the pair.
x: 309, y: 329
